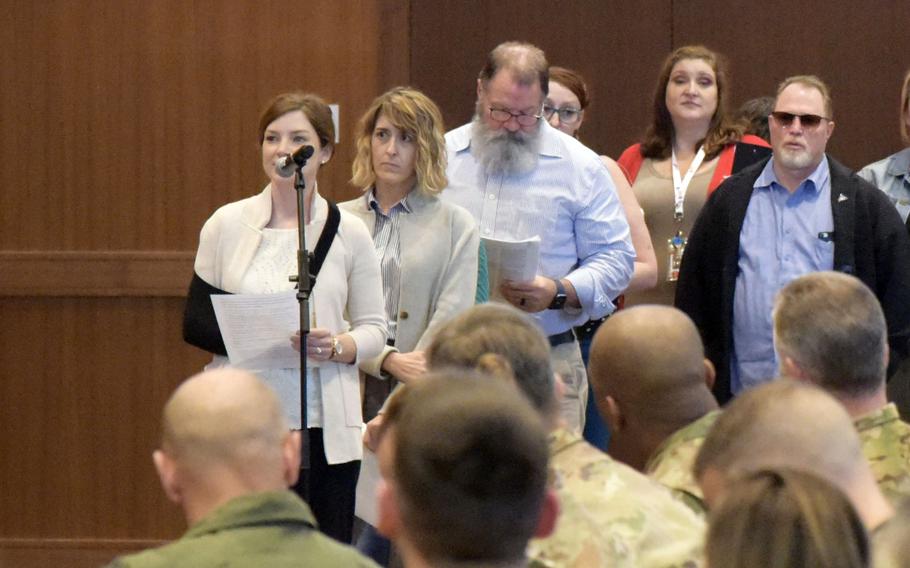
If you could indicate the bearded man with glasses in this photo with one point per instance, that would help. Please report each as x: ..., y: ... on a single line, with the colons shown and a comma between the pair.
x: 799, y: 211
x: 522, y: 179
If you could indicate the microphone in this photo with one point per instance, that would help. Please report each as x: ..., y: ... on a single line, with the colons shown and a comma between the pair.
x: 286, y: 165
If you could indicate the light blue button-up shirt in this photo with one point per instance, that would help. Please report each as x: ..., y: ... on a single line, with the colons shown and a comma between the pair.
x: 784, y: 236
x: 892, y: 175
x: 569, y: 201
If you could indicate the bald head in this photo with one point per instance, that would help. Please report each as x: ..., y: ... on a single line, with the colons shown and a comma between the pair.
x: 225, y: 419
x: 651, y: 359
x: 784, y: 424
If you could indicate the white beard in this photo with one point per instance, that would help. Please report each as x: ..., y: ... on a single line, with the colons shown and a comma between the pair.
x: 503, y: 152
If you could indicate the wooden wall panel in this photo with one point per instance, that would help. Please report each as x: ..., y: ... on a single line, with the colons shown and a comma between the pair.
x: 616, y: 45
x: 84, y: 381
x: 125, y: 124
x: 860, y: 50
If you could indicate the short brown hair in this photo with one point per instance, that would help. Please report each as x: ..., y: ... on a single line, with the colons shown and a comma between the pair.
x: 470, y: 468
x: 313, y: 107
x: 527, y: 62
x: 813, y: 82
x: 415, y: 114
x: 722, y: 130
x: 502, y: 331
x: 573, y: 81
x: 786, y: 519
x: 833, y: 327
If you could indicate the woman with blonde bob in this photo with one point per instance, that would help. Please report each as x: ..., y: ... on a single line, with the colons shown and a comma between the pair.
x: 426, y: 247
x: 786, y: 519
x: 892, y: 174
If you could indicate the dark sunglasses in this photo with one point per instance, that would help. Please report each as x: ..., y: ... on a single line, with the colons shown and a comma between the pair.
x: 808, y: 120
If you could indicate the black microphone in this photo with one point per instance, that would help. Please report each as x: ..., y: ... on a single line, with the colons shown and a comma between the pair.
x: 286, y: 165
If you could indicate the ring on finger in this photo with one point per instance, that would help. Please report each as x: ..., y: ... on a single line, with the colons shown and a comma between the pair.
x: 319, y: 351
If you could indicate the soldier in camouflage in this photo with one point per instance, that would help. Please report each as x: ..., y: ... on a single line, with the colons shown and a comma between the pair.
x: 652, y: 385
x: 829, y: 330
x: 611, y: 515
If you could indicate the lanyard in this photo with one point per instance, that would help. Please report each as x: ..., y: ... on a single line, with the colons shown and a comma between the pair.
x: 681, y: 185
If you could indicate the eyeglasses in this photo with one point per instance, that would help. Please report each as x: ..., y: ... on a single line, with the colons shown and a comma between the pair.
x: 567, y: 115
x: 503, y: 115
x: 807, y: 120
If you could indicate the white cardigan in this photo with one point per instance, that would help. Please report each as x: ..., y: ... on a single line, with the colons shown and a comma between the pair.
x: 348, y: 286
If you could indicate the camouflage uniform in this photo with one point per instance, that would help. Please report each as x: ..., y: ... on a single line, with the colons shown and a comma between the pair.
x: 672, y: 461
x: 612, y: 515
x: 886, y: 444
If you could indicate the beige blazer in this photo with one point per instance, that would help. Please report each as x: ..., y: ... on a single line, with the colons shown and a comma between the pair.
x: 439, y: 247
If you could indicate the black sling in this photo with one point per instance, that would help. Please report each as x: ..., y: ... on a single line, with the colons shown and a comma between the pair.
x: 200, y: 327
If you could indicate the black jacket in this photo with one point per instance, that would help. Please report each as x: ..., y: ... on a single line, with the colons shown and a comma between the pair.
x: 870, y: 242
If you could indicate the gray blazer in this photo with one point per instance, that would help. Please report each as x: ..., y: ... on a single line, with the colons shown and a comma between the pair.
x: 439, y: 244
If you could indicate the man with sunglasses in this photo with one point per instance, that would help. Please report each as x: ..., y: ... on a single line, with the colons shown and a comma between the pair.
x: 798, y: 212
x: 522, y: 179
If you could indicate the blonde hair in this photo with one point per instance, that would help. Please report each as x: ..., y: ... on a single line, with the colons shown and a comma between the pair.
x: 415, y: 114
x: 905, y: 109
x: 786, y: 519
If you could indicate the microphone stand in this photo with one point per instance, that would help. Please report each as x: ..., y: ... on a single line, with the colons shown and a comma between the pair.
x: 305, y: 283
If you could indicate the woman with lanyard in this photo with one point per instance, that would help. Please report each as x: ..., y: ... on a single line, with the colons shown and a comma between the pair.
x: 690, y: 147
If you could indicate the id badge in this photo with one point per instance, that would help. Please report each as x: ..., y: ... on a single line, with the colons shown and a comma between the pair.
x: 676, y: 245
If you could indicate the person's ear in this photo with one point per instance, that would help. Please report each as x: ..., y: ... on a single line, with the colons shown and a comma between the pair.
x: 615, y: 419
x: 791, y: 369
x: 710, y: 374
x: 549, y: 514
x: 388, y: 522
x: 167, y: 475
x: 479, y: 88
x: 290, y: 457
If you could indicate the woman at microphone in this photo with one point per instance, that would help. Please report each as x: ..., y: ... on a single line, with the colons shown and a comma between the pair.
x: 250, y: 247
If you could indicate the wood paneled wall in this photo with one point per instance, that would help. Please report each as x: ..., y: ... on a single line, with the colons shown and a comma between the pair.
x: 861, y: 51
x: 125, y: 123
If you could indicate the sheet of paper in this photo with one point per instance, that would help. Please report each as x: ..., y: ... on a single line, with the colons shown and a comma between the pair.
x: 511, y: 260
x: 257, y: 329
x: 367, y: 487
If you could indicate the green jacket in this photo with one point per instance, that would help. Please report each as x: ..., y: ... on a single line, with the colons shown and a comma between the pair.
x: 265, y: 529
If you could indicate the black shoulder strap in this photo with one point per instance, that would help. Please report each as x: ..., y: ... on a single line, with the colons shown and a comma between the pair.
x: 325, y: 239
x: 200, y: 328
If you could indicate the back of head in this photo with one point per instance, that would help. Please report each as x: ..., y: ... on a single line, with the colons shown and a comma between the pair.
x: 500, y: 340
x: 832, y: 326
x: 417, y: 115
x: 226, y: 423
x: 786, y: 519
x: 470, y: 468
x: 526, y: 62
x: 651, y: 360
x: 753, y: 116
x: 784, y: 424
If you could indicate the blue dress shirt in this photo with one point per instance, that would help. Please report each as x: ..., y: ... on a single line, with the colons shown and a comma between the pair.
x: 784, y: 236
x: 569, y: 201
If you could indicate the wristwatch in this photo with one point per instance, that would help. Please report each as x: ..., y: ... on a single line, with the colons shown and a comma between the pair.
x: 337, y: 348
x: 559, y: 300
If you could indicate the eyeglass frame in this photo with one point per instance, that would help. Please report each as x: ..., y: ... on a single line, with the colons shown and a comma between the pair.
x: 549, y: 111
x: 785, y: 119
x: 517, y: 116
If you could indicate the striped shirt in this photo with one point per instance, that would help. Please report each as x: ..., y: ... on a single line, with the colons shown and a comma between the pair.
x: 387, y: 241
